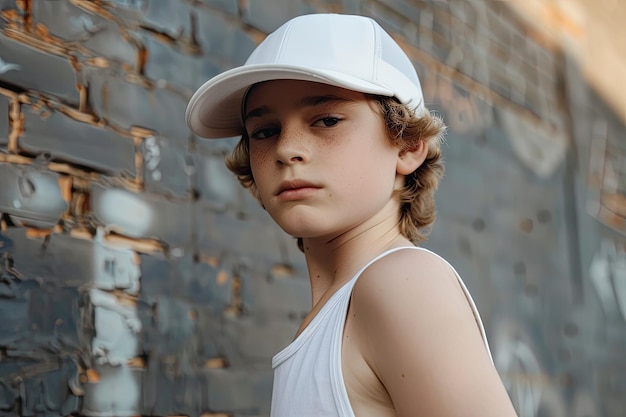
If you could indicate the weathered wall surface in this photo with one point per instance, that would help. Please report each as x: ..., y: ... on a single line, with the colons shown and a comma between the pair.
x: 137, y: 277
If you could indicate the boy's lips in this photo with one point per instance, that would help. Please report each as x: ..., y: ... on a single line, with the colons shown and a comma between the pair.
x: 296, y: 189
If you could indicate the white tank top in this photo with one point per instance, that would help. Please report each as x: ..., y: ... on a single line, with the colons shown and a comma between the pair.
x: 308, y: 379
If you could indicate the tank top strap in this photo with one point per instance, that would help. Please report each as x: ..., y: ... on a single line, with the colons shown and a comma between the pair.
x: 356, y: 276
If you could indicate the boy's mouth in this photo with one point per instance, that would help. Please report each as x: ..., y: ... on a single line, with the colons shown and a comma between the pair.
x: 296, y: 188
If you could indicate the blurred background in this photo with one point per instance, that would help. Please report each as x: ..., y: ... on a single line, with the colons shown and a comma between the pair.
x: 138, y: 278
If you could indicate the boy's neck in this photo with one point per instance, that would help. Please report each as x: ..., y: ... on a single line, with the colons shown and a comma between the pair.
x: 332, y: 263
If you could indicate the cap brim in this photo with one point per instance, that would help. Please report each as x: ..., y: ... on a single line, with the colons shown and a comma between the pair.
x: 214, y: 110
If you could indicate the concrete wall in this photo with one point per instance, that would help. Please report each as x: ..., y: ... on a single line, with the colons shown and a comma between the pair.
x: 137, y: 277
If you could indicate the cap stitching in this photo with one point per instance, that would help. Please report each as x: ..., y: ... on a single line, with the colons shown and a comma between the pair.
x: 377, y: 56
x: 284, y: 39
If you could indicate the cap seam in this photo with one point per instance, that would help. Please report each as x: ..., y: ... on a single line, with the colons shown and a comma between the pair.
x: 284, y: 39
x: 377, y: 51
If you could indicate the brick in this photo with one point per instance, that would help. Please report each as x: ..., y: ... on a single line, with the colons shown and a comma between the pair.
x: 251, y: 208
x: 240, y: 390
x: 128, y: 5
x: 532, y: 77
x: 7, y: 4
x: 440, y: 48
x: 208, y: 336
x: 31, y: 196
x: 400, y: 7
x: 39, y: 260
x: 61, y: 19
x: 83, y: 144
x: 54, y: 316
x: 59, y: 80
x: 98, y: 35
x: 39, y: 316
x: 258, y: 238
x: 65, y: 21
x: 347, y: 6
x: 48, y: 392
x: 269, y: 16
x: 139, y: 215
x: 171, y: 18
x: 175, y: 329
x: 116, y: 393
x: 6, y: 243
x: 117, y: 326
x: 127, y: 104
x: 107, y: 42
x: 210, y: 147
x: 200, y: 284
x: 246, y: 339
x: 216, y: 184
x: 424, y: 39
x: 165, y: 394
x: 519, y: 44
x: 500, y: 29
x: 501, y: 85
x: 390, y: 19
x: 7, y: 397
x: 222, y: 40
x: 545, y: 105
x: 115, y: 266
x: 180, y: 339
x: 468, y: 12
x: 202, y: 345
x: 4, y: 121
x: 612, y: 380
x: 516, y: 72
x: 168, y: 167
x: 545, y: 63
x: 229, y: 6
x: 15, y: 313
x: 442, y: 25
x: 189, y: 73
x: 261, y: 289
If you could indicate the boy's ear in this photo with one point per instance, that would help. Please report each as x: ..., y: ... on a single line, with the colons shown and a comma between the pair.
x: 411, y: 159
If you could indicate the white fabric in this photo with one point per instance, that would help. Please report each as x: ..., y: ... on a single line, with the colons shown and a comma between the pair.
x: 347, y: 51
x: 308, y: 379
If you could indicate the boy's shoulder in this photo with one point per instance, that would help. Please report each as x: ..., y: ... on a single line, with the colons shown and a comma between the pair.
x: 409, y: 266
x: 412, y: 282
x: 412, y: 324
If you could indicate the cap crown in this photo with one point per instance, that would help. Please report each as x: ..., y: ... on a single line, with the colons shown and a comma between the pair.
x: 347, y: 44
x: 347, y: 51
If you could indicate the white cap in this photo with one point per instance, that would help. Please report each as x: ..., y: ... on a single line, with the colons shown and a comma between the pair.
x: 347, y: 51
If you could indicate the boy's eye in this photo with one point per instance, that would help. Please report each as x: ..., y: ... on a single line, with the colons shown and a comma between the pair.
x: 326, y: 122
x: 264, y: 133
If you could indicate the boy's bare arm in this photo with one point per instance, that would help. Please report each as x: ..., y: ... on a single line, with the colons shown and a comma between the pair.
x: 417, y: 332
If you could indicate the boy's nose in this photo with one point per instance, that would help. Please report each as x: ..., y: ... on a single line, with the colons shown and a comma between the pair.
x: 296, y: 159
x: 291, y: 148
x: 289, y: 157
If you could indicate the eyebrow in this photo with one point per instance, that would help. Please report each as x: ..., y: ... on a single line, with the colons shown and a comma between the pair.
x: 308, y: 101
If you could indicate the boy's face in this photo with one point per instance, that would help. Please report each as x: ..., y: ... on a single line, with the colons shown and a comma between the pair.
x: 320, y: 158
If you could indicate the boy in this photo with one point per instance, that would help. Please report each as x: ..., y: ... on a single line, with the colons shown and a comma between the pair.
x: 340, y: 150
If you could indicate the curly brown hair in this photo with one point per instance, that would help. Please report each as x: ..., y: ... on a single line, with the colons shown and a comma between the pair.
x: 405, y: 130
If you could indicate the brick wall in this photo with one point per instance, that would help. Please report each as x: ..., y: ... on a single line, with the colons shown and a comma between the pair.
x: 137, y: 277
